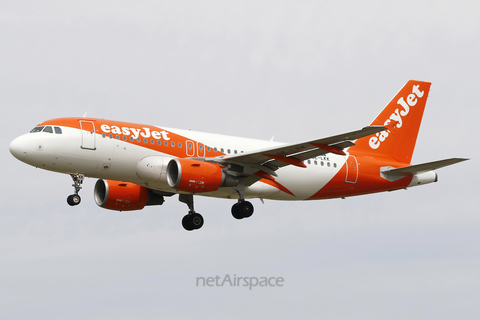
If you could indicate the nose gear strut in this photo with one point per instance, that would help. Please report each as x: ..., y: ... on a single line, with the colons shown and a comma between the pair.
x: 74, y: 199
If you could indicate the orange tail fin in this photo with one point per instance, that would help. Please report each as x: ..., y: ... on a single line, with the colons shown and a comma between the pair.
x: 402, y: 117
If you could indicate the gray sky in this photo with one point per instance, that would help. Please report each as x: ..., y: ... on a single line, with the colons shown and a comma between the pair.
x: 293, y: 70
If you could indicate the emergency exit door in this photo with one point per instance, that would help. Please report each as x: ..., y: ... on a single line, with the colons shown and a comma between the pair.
x: 352, y: 170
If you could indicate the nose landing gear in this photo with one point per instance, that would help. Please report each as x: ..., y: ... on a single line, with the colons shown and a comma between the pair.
x: 74, y: 199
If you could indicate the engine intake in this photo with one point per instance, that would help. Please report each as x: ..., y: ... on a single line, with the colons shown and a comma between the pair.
x: 197, y: 176
x: 124, y: 196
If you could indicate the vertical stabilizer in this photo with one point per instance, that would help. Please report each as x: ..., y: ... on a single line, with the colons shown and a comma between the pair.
x: 402, y: 117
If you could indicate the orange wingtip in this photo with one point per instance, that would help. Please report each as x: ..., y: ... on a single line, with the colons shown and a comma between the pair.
x: 391, y: 124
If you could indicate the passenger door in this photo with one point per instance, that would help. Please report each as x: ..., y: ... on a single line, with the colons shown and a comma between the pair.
x: 88, y: 134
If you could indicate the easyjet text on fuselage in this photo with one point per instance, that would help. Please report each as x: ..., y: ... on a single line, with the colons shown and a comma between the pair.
x: 135, y: 132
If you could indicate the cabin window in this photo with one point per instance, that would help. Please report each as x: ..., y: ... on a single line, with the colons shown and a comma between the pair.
x: 179, y: 144
x: 173, y: 144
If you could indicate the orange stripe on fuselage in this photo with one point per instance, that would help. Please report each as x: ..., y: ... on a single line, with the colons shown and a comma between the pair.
x: 369, y: 180
x: 138, y: 132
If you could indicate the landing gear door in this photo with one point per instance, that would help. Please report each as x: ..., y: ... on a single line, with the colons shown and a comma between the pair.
x: 88, y: 134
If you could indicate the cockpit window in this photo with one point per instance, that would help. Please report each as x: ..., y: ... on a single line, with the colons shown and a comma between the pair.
x: 48, y: 129
x: 37, y: 129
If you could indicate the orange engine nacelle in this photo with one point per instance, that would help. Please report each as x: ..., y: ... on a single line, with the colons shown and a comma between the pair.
x: 197, y: 176
x: 124, y: 196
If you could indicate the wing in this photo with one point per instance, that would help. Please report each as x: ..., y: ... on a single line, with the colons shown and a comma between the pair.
x: 264, y: 162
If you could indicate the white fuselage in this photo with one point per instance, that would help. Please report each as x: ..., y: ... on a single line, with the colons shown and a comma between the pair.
x: 116, y: 159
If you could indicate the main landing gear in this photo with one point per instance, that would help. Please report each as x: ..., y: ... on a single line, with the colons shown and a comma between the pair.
x: 242, y: 209
x: 74, y: 199
x: 192, y: 220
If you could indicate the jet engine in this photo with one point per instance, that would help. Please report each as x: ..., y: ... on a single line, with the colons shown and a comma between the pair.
x: 124, y: 196
x: 197, y: 176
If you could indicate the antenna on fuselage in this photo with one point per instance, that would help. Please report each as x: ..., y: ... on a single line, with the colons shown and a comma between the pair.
x: 84, y: 115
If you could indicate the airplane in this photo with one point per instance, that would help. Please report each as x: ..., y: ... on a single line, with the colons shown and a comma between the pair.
x: 139, y: 165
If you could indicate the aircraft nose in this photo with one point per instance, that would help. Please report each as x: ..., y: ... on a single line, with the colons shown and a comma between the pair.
x: 18, y: 148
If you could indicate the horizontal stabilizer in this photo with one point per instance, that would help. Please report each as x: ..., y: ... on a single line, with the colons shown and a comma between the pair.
x: 424, y: 167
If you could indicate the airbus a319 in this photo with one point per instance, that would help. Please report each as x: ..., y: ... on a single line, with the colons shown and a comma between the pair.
x: 139, y: 165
